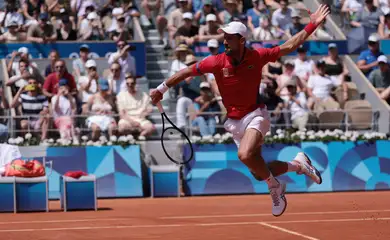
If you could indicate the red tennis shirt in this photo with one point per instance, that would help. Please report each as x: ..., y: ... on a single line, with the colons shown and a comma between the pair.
x: 238, y: 85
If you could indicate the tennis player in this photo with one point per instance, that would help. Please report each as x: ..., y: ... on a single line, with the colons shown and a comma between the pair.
x: 238, y: 75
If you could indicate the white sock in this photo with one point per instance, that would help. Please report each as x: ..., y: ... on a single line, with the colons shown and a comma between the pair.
x: 271, y: 181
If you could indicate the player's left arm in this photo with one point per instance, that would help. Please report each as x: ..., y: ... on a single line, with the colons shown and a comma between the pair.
x: 315, y: 19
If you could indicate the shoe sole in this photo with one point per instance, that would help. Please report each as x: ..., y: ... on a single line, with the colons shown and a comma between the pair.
x: 285, y: 200
x: 315, y: 169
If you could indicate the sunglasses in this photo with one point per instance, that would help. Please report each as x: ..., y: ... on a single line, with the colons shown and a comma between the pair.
x: 92, y: 68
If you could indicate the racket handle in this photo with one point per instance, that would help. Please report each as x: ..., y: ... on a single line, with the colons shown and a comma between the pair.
x: 160, y: 107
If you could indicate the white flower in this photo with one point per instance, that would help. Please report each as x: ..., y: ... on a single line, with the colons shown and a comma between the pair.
x: 102, y: 139
x: 11, y: 141
x: 217, y: 136
x: 28, y: 136
x: 84, y: 138
x: 51, y: 141
x: 113, y: 138
x: 312, y: 137
x: 90, y: 143
x: 130, y: 137
x: 122, y: 139
x: 279, y: 131
x: 141, y: 138
x: 109, y: 143
x: 97, y: 144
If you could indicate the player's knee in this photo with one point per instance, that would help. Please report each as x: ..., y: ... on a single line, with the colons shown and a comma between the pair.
x: 245, y: 156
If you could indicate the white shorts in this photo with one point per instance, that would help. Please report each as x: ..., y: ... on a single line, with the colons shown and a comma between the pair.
x: 258, y: 119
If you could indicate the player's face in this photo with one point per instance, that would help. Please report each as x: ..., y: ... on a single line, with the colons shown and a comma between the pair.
x: 232, y: 43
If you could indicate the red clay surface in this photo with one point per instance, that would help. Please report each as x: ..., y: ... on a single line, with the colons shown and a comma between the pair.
x: 363, y: 215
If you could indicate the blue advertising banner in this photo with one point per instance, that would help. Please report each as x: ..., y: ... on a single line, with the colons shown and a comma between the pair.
x: 385, y: 46
x: 344, y: 166
x: 71, y: 50
x: 117, y: 169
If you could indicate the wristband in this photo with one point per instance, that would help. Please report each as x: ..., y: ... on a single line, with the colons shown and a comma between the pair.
x: 310, y: 28
x: 162, y: 87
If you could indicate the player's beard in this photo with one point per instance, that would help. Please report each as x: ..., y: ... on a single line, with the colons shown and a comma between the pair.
x: 228, y: 50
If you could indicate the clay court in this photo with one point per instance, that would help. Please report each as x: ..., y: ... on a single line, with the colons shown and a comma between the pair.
x: 354, y: 215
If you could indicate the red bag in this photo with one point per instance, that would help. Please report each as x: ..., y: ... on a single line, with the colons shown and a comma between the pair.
x: 75, y: 174
x: 27, y: 169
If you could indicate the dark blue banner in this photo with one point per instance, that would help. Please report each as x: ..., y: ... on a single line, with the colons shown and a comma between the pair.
x: 71, y: 50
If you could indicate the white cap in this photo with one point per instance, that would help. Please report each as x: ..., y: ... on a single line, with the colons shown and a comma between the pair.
x: 234, y: 28
x: 295, y: 13
x: 373, y: 38
x: 382, y: 58
x: 211, y: 17
x: 117, y: 11
x: 23, y: 50
x: 92, y: 16
x: 188, y: 15
x: 213, y: 43
x: 90, y: 63
x: 205, y: 85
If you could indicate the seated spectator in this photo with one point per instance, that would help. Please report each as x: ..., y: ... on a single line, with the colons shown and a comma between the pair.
x: 63, y: 109
x: 13, y: 35
x: 296, y: 25
x: 44, y: 32
x: 273, y: 70
x: 380, y: 78
x: 187, y: 32
x: 154, y: 6
x: 50, y: 87
x: 101, y: 107
x: 94, y: 31
x: 286, y: 77
x: 121, y: 32
x: 256, y: 14
x: 281, y: 18
x: 213, y: 46
x: 322, y: 33
x: 384, y: 30
x: 350, y: 8
x: 175, y: 19
x: 116, y: 79
x: 231, y: 11
x: 201, y: 15
x: 53, y: 57
x: 79, y: 8
x: 88, y: 85
x: 29, y: 6
x: 210, y: 30
x: 67, y: 30
x: 178, y: 63
x: 367, y: 60
x: 23, y: 54
x: 370, y: 17
x: 35, y: 108
x: 24, y: 73
x: 83, y: 21
x: 320, y: 86
x: 124, y: 58
x: 274, y: 103
x: 79, y: 63
x: 133, y: 107
x: 12, y: 15
x: 3, y: 121
x: 297, y: 106
x: 203, y: 104
x: 188, y: 91
x: 304, y: 67
x: 265, y: 31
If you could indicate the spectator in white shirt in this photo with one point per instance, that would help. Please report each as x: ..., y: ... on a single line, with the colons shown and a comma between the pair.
x: 88, y: 84
x: 124, y: 58
x: 178, y: 64
x: 304, y: 67
x: 320, y: 86
x: 79, y: 63
x: 11, y: 14
x: 116, y: 79
x: 281, y: 18
x: 297, y: 107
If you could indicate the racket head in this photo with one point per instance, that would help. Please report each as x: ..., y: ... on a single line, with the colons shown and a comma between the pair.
x: 173, y: 141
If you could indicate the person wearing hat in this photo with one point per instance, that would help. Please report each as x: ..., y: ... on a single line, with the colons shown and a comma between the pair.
x: 13, y: 35
x: 210, y: 30
x: 88, y: 85
x: 23, y: 54
x: 101, y: 107
x: 297, y: 106
x: 207, y: 8
x: 117, y: 79
x: 370, y: 16
x: 94, y: 31
x: 34, y: 105
x: 79, y: 63
x: 367, y: 60
x: 187, y: 32
x: 121, y: 32
x: 213, y: 46
x: 63, y: 109
x: 231, y: 11
x: 287, y: 75
x: 238, y: 73
x: 43, y: 32
x: 304, y: 66
x: 178, y: 63
x: 124, y: 58
x: 265, y: 31
x: 174, y: 21
x: 380, y: 78
x: 296, y: 25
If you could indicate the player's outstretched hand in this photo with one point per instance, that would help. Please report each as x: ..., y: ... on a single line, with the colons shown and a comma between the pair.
x: 319, y: 16
x: 156, y: 96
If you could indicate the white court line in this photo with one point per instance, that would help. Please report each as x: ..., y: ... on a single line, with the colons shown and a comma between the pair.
x: 187, y: 225
x: 268, y: 214
x: 67, y: 221
x: 288, y: 231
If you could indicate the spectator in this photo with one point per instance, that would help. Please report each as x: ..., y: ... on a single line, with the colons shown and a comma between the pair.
x: 369, y: 17
x: 26, y: 71
x: 322, y: 33
x: 273, y: 70
x: 124, y: 58
x: 175, y: 19
x: 94, y: 31
x: 286, y: 77
x: 67, y: 30
x: 273, y: 102
x: 29, y: 6
x: 367, y: 60
x: 304, y: 67
x: 207, y: 9
x: 83, y: 21
x: 12, y: 15
x: 256, y: 14
x: 34, y: 106
x: 79, y: 63
x: 101, y: 107
x: 53, y: 56
x: 350, y: 8
x: 79, y: 7
x: 50, y: 87
x: 380, y: 78
x: 187, y: 32
x: 44, y: 32
x: 13, y: 35
x: 133, y: 107
x: 281, y: 18
x: 296, y: 25
x: 265, y: 31
x: 178, y: 64
x: 205, y: 103
x: 64, y: 108
x: 384, y: 31
x: 210, y: 30
x: 23, y: 54
x: 88, y: 84
x: 297, y: 106
x: 3, y: 121
x: 150, y: 6
x: 319, y: 86
x: 335, y: 67
x: 121, y: 32
x: 230, y: 12
x: 116, y: 79
x: 213, y: 46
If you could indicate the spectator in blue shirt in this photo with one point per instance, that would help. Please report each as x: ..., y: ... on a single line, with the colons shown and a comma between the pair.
x: 367, y: 60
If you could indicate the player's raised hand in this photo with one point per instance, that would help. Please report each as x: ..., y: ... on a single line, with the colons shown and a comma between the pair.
x: 155, y: 96
x: 319, y: 16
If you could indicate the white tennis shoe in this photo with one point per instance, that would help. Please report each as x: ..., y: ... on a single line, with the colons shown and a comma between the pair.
x: 307, y: 168
x: 279, y: 201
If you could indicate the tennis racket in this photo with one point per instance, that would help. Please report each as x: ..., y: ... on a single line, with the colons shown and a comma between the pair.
x: 179, y: 138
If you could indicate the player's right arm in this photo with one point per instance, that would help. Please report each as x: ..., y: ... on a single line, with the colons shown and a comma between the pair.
x: 205, y: 66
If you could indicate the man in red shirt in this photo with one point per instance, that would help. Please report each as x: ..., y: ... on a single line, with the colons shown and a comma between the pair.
x: 238, y: 75
x: 50, y: 86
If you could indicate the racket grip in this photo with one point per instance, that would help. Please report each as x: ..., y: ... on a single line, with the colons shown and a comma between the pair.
x: 160, y: 107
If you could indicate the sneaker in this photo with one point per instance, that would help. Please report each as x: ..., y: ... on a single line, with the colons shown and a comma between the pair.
x: 307, y: 168
x: 279, y: 201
